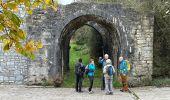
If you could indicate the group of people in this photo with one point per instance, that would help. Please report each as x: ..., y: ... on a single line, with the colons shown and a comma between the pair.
x: 107, y: 75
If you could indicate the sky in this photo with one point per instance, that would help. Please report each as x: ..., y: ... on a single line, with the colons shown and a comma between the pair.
x: 64, y: 2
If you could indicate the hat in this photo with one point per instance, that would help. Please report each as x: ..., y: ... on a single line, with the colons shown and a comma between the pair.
x: 108, y: 62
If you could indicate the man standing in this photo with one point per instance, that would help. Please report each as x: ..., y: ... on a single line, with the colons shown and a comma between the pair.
x: 123, y: 74
x: 103, y: 63
x: 79, y: 72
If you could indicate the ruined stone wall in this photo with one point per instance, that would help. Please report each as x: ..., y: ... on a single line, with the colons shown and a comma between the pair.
x: 13, y: 67
x: 133, y: 31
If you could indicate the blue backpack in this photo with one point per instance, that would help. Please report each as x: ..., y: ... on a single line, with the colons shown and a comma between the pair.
x: 110, y: 71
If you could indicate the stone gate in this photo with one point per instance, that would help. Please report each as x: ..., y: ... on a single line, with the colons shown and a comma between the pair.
x: 124, y: 32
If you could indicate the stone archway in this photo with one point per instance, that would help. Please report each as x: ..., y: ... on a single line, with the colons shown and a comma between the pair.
x: 124, y: 30
x: 110, y: 36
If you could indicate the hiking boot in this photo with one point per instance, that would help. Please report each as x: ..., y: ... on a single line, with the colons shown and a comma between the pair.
x: 91, y: 92
x: 125, y: 91
x: 111, y: 93
x: 107, y: 93
x: 122, y: 90
x: 80, y: 91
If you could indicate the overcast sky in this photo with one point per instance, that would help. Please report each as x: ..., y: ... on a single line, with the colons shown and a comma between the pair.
x: 64, y: 2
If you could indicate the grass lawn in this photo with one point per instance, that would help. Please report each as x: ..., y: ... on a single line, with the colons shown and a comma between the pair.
x: 77, y: 52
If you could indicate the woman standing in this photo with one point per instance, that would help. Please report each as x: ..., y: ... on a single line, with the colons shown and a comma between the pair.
x: 90, y: 68
x: 108, y: 72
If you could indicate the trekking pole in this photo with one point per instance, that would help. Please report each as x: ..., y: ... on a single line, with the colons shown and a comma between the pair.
x: 136, y: 97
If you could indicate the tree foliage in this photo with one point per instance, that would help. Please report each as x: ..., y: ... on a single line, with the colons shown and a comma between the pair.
x: 89, y: 40
x: 12, y: 35
x: 162, y: 39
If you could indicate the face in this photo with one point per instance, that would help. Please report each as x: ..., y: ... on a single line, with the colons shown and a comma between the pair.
x: 92, y: 62
x: 106, y: 56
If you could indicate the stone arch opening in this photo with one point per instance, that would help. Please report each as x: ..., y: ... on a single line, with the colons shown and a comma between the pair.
x: 109, y: 33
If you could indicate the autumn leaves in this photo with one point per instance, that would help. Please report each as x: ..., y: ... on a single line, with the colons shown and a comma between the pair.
x: 12, y: 34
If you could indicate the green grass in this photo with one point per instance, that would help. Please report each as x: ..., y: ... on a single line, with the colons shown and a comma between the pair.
x: 81, y: 51
x: 160, y: 82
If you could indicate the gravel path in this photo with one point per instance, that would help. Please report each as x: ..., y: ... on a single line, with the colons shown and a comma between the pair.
x: 35, y: 93
x: 39, y: 93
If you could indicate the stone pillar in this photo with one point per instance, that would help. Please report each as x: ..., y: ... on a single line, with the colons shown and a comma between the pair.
x: 143, y: 51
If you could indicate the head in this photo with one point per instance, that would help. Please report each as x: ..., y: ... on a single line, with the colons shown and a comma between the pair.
x: 120, y: 59
x: 80, y: 60
x: 106, y: 56
x: 92, y: 61
x: 108, y: 62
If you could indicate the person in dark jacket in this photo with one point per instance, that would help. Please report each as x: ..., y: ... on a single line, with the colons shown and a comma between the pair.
x: 79, y: 73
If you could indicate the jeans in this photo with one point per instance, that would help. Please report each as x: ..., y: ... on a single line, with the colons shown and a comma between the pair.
x: 91, y: 78
x: 108, y: 85
x: 79, y: 81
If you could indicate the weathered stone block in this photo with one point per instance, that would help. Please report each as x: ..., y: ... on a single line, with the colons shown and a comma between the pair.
x: 17, y: 72
x: 12, y: 78
x: 1, y: 78
x: 6, y: 79
x: 19, y: 78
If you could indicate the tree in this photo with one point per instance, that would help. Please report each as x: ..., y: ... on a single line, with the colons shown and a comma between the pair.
x: 161, y: 46
x: 12, y: 35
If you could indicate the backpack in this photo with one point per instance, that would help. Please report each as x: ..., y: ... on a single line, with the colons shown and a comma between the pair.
x: 128, y: 65
x: 110, y: 71
x: 81, y: 69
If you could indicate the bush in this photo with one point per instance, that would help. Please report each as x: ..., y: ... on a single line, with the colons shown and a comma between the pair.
x: 58, y: 81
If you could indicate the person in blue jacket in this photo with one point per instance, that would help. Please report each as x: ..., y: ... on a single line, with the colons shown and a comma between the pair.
x: 123, y: 74
x: 103, y: 63
x: 90, y: 68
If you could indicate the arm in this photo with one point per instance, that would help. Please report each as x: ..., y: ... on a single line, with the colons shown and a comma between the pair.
x: 100, y: 61
x: 86, y: 67
x: 104, y: 70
